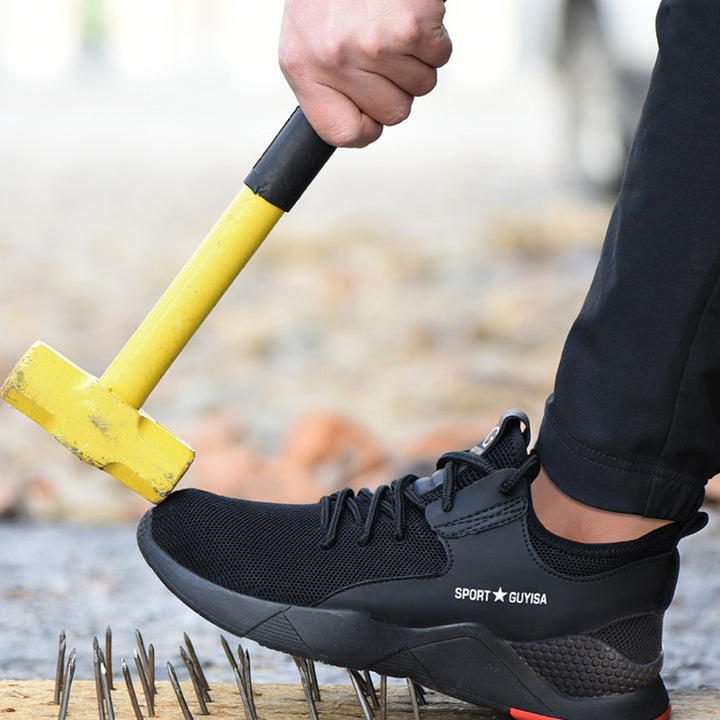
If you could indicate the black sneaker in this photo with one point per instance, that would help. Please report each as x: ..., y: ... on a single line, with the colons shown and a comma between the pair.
x: 449, y: 580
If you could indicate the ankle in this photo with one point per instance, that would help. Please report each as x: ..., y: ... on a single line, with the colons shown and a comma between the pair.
x: 573, y: 520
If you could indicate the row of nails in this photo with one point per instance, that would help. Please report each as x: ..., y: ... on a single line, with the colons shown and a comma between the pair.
x: 145, y: 665
x: 370, y: 702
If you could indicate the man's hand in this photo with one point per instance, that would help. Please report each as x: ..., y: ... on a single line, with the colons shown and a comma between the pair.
x: 357, y: 65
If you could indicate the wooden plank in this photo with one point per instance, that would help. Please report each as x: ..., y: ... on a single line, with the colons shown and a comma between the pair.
x: 695, y: 704
x: 32, y: 700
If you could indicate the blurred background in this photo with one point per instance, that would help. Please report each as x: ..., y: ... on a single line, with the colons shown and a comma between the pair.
x: 419, y: 288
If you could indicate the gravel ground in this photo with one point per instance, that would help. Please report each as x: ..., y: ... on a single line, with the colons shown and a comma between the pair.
x: 80, y: 578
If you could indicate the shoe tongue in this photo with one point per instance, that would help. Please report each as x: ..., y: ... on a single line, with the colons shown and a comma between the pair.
x: 504, y: 447
x: 506, y: 444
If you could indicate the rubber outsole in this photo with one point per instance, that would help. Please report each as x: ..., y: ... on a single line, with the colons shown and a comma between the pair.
x: 465, y: 661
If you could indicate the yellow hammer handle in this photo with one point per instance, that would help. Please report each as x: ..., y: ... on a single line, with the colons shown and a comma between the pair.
x: 211, y: 270
x: 273, y: 186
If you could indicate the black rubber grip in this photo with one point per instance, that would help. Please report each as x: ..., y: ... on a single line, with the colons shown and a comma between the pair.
x: 290, y: 163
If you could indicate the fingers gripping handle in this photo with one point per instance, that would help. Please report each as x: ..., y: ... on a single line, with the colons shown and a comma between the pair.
x: 290, y: 164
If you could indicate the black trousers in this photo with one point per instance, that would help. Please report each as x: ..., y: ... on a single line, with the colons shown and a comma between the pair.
x: 633, y: 424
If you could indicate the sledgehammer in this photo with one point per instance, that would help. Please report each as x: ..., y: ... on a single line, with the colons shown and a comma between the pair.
x: 100, y: 420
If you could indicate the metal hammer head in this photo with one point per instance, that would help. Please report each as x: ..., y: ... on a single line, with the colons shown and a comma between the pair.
x: 96, y: 424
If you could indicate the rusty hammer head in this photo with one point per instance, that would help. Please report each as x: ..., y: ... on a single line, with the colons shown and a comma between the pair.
x: 96, y: 424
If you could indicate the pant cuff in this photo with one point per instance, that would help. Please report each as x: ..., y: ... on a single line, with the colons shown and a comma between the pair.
x: 609, y: 483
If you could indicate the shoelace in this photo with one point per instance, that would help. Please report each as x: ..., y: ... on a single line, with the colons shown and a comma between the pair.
x: 391, y: 499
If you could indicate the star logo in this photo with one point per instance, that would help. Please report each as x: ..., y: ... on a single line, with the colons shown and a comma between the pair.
x: 499, y: 594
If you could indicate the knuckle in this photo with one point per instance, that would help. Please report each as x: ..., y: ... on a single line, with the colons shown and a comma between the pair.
x: 437, y: 47
x: 409, y: 34
x: 426, y: 83
x: 291, y: 62
x: 343, y: 137
x: 398, y: 112
x: 333, y: 52
x: 349, y: 136
x: 444, y: 49
x: 340, y: 130
x: 372, y: 45
x: 356, y: 133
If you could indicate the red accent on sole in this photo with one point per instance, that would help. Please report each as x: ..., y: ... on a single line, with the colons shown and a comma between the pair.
x: 525, y: 715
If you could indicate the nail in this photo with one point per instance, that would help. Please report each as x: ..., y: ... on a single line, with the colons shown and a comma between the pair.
x: 305, y: 681
x: 249, y: 707
x: 370, y: 687
x: 240, y: 679
x: 315, y: 686
x: 383, y: 697
x: 365, y: 683
x: 197, y: 685
x: 131, y: 690
x: 149, y: 698
x: 196, y: 663
x: 228, y: 653
x: 357, y: 683
x: 108, y: 655
x: 244, y: 657
x: 202, y: 681
x: 145, y: 660
x: 98, y: 680
x: 141, y: 647
x: 102, y: 684
x: 60, y: 667
x: 414, y: 700
x: 150, y: 669
x: 105, y: 682
x: 187, y: 715
x: 69, y: 672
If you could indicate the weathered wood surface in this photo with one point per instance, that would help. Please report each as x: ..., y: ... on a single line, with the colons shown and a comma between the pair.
x: 32, y: 700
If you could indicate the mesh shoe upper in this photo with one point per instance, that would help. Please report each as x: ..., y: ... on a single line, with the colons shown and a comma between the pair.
x: 274, y: 551
x: 280, y: 552
x: 302, y: 554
